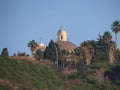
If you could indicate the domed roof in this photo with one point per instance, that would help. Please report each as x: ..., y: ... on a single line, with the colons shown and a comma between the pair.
x: 62, y: 30
x: 66, y: 45
x: 41, y: 44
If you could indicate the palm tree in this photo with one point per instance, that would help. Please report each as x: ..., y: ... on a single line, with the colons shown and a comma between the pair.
x: 116, y: 28
x: 106, y: 47
x: 107, y: 37
x: 32, y: 44
x: 88, y: 50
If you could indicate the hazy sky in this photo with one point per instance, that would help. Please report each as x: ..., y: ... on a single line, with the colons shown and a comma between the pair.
x: 40, y: 20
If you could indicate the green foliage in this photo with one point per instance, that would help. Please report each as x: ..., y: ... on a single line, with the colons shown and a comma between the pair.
x: 99, y: 64
x: 116, y: 28
x: 113, y: 74
x: 87, y: 86
x: 38, y: 54
x: 88, y: 75
x: 32, y: 43
x: 51, y: 50
x: 106, y: 38
x: 72, y: 76
x: 117, y: 56
x: 91, y: 79
x: 28, y: 76
x: 102, y: 46
x: 99, y: 49
x: 78, y: 51
x: 4, y: 52
x: 88, y: 45
x: 64, y: 52
x: 5, y: 87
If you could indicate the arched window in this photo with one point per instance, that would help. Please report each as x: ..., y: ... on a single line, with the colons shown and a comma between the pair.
x: 61, y: 37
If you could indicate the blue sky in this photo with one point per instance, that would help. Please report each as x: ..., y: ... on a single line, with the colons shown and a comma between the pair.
x: 40, y: 20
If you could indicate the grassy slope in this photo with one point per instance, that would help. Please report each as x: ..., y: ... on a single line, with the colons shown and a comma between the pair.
x: 21, y: 74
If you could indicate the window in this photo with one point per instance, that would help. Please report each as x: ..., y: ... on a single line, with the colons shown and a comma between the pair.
x: 61, y: 37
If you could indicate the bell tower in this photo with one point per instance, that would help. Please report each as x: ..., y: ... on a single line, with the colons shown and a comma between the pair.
x: 62, y: 35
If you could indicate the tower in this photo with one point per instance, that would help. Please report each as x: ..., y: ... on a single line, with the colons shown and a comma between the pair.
x: 62, y: 35
x: 63, y: 42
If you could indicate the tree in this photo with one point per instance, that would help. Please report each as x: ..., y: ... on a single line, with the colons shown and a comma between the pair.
x: 116, y: 28
x: 32, y: 44
x: 113, y: 74
x: 105, y: 48
x: 78, y: 51
x: 117, y: 55
x: 38, y: 54
x: 88, y: 50
x: 4, y: 52
x: 107, y: 37
x: 64, y: 52
x: 51, y: 50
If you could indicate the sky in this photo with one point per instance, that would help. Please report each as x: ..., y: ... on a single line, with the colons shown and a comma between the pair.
x: 24, y: 20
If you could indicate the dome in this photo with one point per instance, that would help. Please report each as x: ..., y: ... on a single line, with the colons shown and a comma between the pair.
x: 41, y: 44
x: 62, y: 30
x: 66, y: 45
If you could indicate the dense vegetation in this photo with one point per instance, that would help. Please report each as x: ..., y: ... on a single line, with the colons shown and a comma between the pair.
x: 100, y: 76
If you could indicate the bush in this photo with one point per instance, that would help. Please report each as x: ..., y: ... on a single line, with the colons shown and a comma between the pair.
x: 113, y: 74
x: 4, y: 52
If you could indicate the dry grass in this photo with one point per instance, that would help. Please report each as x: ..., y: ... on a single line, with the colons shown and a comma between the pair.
x: 31, y: 59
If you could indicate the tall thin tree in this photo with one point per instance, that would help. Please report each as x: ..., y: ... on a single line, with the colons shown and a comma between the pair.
x: 88, y: 50
x: 116, y: 28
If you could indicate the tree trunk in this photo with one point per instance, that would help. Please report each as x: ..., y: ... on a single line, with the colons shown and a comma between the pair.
x: 88, y: 55
x: 32, y: 49
x: 111, y: 55
x: 116, y: 38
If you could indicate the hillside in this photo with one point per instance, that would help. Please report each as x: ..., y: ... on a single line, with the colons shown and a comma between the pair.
x: 25, y: 75
x: 29, y: 75
x: 97, y: 76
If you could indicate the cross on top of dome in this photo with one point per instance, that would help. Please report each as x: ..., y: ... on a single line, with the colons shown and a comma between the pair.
x: 62, y: 30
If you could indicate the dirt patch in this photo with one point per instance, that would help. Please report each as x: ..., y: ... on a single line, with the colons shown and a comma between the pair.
x: 76, y: 81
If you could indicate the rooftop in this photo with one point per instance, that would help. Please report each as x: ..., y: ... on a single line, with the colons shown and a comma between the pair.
x: 66, y: 45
